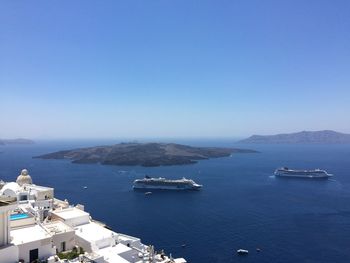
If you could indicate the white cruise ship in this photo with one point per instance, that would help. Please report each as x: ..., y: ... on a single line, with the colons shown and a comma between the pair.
x: 286, y: 172
x: 166, y: 184
x: 37, y: 227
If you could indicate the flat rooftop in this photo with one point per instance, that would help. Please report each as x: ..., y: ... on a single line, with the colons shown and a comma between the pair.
x: 57, y: 227
x: 28, y: 234
x: 37, y: 187
x: 93, y: 232
x: 112, y: 254
x: 70, y: 213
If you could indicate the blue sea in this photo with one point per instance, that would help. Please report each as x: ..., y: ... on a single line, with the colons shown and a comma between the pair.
x: 242, y: 205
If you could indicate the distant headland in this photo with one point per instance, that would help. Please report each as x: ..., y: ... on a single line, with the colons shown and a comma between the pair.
x: 317, y: 137
x: 143, y: 154
x: 15, y: 141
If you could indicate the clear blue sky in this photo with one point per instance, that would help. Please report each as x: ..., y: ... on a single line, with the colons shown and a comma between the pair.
x: 176, y: 68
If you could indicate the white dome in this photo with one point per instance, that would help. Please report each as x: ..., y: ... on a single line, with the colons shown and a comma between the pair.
x: 24, y: 178
x: 10, y: 189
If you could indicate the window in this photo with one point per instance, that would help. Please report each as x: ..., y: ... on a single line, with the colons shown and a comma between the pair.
x: 23, y: 197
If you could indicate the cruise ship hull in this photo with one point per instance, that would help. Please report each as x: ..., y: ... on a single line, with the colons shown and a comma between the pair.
x: 165, y: 184
x: 303, y: 176
x: 307, y: 174
x: 165, y: 187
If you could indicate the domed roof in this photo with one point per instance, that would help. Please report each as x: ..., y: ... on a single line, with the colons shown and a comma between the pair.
x: 10, y: 189
x: 24, y: 178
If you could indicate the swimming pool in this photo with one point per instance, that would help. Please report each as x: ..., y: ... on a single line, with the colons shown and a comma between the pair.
x: 18, y: 216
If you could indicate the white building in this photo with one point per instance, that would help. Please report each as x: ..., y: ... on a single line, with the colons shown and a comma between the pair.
x: 33, y: 243
x: 8, y: 251
x: 36, y: 226
x: 63, y: 236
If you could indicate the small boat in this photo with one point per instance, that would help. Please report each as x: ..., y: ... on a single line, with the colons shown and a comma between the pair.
x: 242, y: 252
x: 85, y: 187
x: 148, y: 193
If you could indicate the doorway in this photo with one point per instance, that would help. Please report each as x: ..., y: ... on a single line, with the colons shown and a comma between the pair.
x: 33, y: 255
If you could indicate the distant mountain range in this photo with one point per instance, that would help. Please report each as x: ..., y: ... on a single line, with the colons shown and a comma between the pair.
x: 15, y: 141
x: 327, y: 136
x: 144, y: 154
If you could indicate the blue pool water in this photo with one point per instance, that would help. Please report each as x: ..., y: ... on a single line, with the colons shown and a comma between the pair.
x: 241, y: 205
x: 18, y: 216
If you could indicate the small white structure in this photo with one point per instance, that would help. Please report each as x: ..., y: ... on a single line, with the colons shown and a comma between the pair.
x: 92, y: 237
x: 39, y: 193
x: 63, y: 236
x: 71, y: 216
x: 33, y: 243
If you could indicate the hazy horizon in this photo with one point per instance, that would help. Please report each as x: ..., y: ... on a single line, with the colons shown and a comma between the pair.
x: 173, y: 69
x: 154, y: 138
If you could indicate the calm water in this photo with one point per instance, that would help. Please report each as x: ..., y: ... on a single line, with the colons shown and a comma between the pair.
x: 241, y: 205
